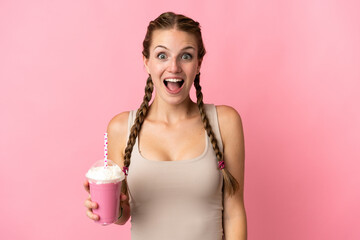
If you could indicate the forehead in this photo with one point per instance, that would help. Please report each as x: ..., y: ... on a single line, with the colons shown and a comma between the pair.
x: 172, y: 38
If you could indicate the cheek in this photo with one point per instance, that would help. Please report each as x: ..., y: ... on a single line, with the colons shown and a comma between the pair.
x: 156, y: 68
x: 192, y: 69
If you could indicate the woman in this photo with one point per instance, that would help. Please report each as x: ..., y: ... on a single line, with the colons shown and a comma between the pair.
x: 184, y: 161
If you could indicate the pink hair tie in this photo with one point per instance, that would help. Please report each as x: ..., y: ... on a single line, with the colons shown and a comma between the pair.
x: 125, y: 170
x: 221, y: 165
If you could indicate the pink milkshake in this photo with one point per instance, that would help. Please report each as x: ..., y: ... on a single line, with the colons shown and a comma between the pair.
x: 105, y: 187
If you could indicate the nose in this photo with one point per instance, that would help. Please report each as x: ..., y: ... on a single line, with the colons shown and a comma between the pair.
x: 174, y: 66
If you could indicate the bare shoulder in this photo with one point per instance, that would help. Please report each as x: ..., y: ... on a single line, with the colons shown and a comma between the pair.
x: 117, y: 137
x: 118, y: 124
x: 230, y: 122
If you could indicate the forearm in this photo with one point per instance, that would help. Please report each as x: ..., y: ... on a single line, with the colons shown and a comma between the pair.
x: 236, y: 227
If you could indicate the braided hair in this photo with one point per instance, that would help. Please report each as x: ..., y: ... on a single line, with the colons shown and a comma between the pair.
x: 230, y: 183
x: 135, y: 129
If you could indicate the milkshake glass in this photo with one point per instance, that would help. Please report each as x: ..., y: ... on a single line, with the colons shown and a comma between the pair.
x: 105, y: 188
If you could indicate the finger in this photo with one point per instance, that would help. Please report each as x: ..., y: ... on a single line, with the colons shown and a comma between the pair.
x: 87, y: 203
x: 91, y: 205
x: 123, y: 197
x: 86, y: 186
x: 91, y: 215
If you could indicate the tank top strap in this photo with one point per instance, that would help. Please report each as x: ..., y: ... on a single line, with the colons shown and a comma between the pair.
x: 131, y: 120
x: 211, y: 113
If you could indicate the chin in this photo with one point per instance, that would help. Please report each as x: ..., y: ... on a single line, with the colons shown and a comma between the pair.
x: 174, y: 100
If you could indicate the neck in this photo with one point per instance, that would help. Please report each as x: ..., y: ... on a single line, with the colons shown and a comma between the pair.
x: 171, y: 113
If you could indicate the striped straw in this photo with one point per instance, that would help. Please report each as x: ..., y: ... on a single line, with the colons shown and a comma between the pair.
x: 105, y: 150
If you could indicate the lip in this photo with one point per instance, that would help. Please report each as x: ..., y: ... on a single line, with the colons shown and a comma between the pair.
x: 177, y: 90
x: 174, y: 78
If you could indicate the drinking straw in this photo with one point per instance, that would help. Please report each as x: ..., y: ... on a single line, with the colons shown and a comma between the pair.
x: 105, y: 150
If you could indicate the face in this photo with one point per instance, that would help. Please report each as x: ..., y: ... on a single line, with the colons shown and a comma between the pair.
x: 173, y: 64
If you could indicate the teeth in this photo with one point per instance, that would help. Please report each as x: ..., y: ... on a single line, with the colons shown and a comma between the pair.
x: 173, y: 80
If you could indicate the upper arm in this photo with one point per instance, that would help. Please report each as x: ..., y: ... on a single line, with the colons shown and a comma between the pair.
x: 117, y: 137
x: 234, y: 156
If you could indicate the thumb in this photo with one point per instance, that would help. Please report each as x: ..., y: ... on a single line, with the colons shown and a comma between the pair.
x: 86, y: 186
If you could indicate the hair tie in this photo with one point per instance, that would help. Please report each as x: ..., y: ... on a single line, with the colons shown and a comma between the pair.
x: 221, y: 165
x: 125, y: 170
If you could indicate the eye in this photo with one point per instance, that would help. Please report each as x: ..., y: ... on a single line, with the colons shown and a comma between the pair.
x: 161, y: 56
x: 186, y: 56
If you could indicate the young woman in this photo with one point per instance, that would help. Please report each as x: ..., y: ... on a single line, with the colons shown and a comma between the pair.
x: 184, y: 161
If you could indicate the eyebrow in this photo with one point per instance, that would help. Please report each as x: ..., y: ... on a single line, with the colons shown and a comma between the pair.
x: 185, y: 48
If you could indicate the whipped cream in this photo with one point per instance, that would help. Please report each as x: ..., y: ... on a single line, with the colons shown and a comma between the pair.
x: 105, y: 175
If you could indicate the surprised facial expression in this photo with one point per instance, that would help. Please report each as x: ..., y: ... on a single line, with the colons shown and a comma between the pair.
x: 173, y: 64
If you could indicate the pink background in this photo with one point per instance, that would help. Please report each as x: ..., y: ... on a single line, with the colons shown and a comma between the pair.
x: 291, y: 69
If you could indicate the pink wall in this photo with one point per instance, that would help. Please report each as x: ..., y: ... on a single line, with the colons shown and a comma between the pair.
x: 291, y: 69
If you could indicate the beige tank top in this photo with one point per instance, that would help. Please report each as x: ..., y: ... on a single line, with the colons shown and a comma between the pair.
x: 177, y: 200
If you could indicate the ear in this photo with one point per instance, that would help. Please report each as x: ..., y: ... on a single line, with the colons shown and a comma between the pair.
x: 199, y: 66
x: 145, y: 60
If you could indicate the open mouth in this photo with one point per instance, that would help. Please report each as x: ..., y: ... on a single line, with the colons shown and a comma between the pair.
x: 173, y: 84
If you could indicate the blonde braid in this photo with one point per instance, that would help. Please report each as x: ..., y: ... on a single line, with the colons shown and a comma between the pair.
x: 135, y: 129
x: 230, y: 183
